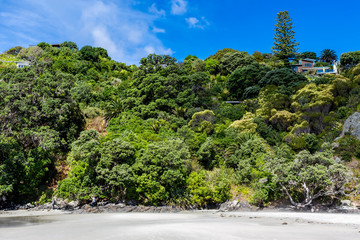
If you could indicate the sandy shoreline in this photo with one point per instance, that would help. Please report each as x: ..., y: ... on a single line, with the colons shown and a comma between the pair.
x: 184, y: 225
x: 323, y: 218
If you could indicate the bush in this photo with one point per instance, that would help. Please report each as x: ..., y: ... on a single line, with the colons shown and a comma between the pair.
x: 161, y: 171
x: 282, y: 77
x: 209, y: 187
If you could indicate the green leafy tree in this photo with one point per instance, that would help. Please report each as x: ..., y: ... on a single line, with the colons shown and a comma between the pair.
x: 212, y: 66
x: 161, y: 171
x: 309, y: 177
x: 93, y: 54
x: 243, y: 78
x: 71, y: 45
x: 31, y: 53
x: 43, y: 45
x: 285, y: 45
x: 350, y: 59
x: 83, y: 158
x: 14, y: 51
x: 231, y: 61
x: 154, y: 63
x: 209, y: 187
x: 258, y: 56
x: 114, y: 173
x: 328, y: 55
x: 282, y: 77
x: 311, y: 55
x: 221, y: 53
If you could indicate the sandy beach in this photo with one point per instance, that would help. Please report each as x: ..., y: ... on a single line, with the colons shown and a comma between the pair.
x: 187, y: 225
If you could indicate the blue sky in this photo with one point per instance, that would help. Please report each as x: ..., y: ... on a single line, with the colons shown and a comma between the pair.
x: 130, y: 30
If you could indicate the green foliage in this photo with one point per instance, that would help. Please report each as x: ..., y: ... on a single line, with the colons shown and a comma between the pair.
x: 199, y: 117
x: 31, y: 53
x: 258, y: 56
x: 348, y: 148
x: 209, y: 187
x: 161, y: 171
x: 114, y: 171
x: 212, y: 66
x: 285, y: 45
x: 154, y: 63
x: 309, y: 177
x: 244, y: 78
x: 165, y: 134
x: 328, y: 55
x: 71, y: 45
x: 14, y: 51
x: 311, y: 55
x: 231, y: 61
x: 207, y: 154
x: 321, y: 64
x: 92, y: 54
x: 267, y: 132
x: 245, y: 124
x: 229, y: 111
x: 282, y: 77
x: 350, y: 59
x: 83, y: 158
x: 221, y: 53
x: 30, y: 103
x: 248, y: 159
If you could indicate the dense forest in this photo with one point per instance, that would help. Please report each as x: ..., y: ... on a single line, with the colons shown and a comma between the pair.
x: 76, y: 124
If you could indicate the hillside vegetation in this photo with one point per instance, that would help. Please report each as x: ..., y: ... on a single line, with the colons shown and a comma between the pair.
x: 76, y: 124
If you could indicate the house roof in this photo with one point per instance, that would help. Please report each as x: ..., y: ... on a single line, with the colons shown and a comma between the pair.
x: 309, y: 60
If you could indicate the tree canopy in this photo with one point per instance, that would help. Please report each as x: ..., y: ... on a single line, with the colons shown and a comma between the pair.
x: 76, y: 124
x: 285, y: 45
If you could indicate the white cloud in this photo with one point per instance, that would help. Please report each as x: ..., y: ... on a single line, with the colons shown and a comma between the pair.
x: 126, y: 33
x: 178, y: 7
x: 192, y: 21
x: 158, y: 30
x: 101, y: 38
x: 196, y: 23
x: 150, y: 49
x: 154, y: 10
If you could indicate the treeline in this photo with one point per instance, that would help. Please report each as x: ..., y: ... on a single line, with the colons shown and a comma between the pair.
x: 76, y: 124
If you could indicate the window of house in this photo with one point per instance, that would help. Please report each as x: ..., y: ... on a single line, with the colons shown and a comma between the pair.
x: 308, y: 64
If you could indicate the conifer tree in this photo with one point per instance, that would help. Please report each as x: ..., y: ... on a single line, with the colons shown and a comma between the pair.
x: 285, y: 45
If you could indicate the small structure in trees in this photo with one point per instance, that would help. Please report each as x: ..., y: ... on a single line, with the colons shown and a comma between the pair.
x: 22, y: 64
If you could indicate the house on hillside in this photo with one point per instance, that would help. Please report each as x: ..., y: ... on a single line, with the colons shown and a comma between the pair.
x: 307, y: 64
x: 22, y: 64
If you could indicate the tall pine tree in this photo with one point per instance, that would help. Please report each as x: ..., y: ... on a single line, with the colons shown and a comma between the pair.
x: 285, y: 45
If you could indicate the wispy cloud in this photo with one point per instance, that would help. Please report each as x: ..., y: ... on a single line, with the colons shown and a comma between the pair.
x: 157, y: 12
x: 126, y: 33
x: 178, y: 7
x: 158, y: 30
x: 196, y: 23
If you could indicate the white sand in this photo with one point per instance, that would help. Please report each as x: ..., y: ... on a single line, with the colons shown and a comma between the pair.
x: 187, y: 225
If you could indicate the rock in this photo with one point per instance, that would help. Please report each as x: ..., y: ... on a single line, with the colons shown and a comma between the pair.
x: 28, y: 206
x: 61, y: 204
x: 102, y: 203
x: 74, y: 204
x: 346, y: 203
x: 235, y: 205
x: 86, y: 207
x: 352, y: 126
x: 120, y: 205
